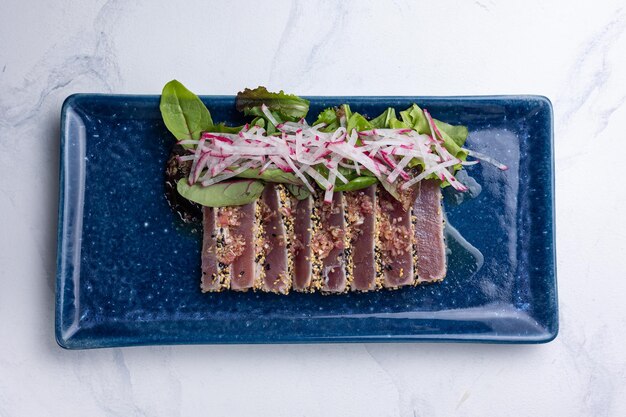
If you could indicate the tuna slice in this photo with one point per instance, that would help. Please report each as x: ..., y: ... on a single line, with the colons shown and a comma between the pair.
x: 395, y: 240
x: 361, y: 227
x: 328, y: 245
x: 275, y: 270
x: 430, y: 247
x: 302, y: 243
x: 211, y: 279
x: 239, y: 245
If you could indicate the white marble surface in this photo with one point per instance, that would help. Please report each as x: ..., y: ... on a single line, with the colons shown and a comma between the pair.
x: 572, y: 52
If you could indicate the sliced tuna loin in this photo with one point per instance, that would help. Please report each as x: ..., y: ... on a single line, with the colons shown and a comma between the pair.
x: 430, y: 247
x: 363, y: 241
x: 212, y: 279
x: 395, y: 237
x: 275, y: 270
x: 301, y: 243
x: 327, y: 245
x: 360, y: 209
x: 236, y: 244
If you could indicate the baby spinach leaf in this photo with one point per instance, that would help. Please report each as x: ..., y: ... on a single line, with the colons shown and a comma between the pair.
x: 356, y: 184
x: 183, y: 112
x: 272, y: 175
x: 349, y: 173
x: 223, y: 128
x: 299, y: 192
x: 227, y: 193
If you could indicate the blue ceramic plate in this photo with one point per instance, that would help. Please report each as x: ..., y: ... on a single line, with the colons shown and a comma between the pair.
x: 128, y: 269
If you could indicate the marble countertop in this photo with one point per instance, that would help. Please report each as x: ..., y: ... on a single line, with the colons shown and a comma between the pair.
x: 572, y: 52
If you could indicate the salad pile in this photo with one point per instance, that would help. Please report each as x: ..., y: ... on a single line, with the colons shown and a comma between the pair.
x: 341, y: 151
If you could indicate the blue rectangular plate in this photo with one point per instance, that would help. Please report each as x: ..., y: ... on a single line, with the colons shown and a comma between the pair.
x: 128, y: 269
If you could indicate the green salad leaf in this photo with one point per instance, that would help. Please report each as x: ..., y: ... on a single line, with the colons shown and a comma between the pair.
x: 183, y: 112
x: 283, y: 106
x: 344, y: 111
x: 391, y: 188
x: 458, y: 134
x: 299, y: 192
x: 384, y: 119
x: 329, y: 118
x: 272, y: 175
x: 358, y: 122
x: 223, y: 128
x: 222, y: 194
x: 415, y: 118
x: 451, y: 144
x: 357, y: 183
x: 349, y: 173
x: 332, y: 118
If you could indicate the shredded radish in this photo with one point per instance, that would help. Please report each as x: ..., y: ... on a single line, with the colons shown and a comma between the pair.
x: 300, y: 149
x: 186, y: 158
x: 231, y: 174
x: 195, y: 160
x: 436, y: 169
x: 269, y: 115
x: 488, y: 159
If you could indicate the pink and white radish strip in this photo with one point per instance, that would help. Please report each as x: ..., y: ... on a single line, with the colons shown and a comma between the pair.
x: 488, y: 159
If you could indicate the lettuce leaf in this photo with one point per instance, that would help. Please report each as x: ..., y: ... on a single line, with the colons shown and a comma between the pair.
x: 332, y: 117
x: 457, y: 133
x: 415, y: 118
x: 329, y: 118
x: 358, y: 122
x: 382, y: 121
x: 284, y: 107
x: 453, y: 136
x: 344, y: 111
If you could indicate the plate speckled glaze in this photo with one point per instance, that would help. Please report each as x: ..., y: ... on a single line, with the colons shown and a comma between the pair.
x: 128, y: 268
